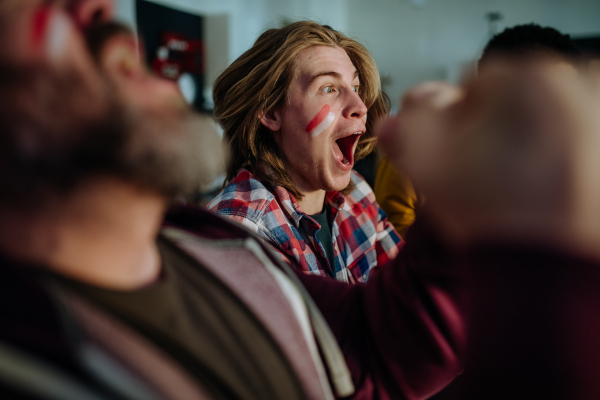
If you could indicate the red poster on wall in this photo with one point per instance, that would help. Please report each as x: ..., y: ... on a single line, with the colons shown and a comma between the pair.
x: 178, y: 54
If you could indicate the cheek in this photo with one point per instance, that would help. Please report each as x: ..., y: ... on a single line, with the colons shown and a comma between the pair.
x: 39, y: 23
x: 59, y: 29
x: 49, y: 32
x: 321, y: 121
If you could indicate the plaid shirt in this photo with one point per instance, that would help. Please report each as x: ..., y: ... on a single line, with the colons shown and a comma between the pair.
x: 362, y: 237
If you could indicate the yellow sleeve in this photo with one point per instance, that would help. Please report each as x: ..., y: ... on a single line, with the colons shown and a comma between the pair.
x: 396, y: 196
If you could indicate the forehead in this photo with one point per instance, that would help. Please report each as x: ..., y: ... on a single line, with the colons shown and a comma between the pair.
x: 17, y: 3
x: 10, y: 8
x: 565, y: 68
x: 324, y: 59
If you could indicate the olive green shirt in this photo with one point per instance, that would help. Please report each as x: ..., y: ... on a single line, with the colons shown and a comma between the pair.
x: 324, y: 234
x: 199, y: 322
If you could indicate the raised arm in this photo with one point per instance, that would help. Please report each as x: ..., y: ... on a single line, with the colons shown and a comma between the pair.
x: 402, y: 332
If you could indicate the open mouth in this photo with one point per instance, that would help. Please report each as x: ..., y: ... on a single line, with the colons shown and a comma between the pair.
x: 345, y: 150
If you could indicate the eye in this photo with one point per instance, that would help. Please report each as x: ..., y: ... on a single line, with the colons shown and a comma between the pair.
x: 355, y: 88
x: 327, y: 89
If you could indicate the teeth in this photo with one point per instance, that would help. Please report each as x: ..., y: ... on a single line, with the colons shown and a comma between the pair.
x: 357, y: 133
x: 345, y: 161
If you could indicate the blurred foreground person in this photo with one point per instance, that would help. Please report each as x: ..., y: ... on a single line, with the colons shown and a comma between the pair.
x: 297, y: 109
x: 394, y: 191
x: 524, y: 40
x: 101, y: 298
x: 510, y: 164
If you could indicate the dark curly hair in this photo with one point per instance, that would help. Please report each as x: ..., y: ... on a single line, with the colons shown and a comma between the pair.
x: 531, y: 38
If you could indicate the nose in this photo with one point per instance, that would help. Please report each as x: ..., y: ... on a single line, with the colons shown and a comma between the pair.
x: 87, y: 13
x: 355, y: 108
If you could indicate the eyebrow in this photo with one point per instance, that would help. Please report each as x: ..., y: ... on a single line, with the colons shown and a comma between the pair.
x: 336, y: 75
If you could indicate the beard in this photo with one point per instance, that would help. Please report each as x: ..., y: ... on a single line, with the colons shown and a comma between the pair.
x: 59, y: 131
x: 171, y: 155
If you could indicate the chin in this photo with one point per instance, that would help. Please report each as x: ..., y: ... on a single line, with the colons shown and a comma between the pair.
x: 340, y: 183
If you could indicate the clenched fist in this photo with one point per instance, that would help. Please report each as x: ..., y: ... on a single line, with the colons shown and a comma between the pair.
x: 511, y: 155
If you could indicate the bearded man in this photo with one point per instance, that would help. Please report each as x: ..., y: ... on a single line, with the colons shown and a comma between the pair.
x: 101, y: 297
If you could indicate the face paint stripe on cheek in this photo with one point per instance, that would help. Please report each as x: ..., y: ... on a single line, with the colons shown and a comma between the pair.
x: 321, y: 121
x: 58, y: 34
x: 324, y: 125
x: 318, y: 118
x: 39, y: 25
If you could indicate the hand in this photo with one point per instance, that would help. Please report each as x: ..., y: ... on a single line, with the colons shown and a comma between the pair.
x: 419, y: 130
x: 511, y: 155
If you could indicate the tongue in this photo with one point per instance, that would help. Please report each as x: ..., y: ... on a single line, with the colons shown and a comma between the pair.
x: 337, y: 152
x: 345, y: 145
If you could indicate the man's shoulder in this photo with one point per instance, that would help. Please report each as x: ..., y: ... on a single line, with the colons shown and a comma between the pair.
x: 204, y: 224
x: 244, y: 196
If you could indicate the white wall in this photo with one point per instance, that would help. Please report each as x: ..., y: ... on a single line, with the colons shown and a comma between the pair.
x: 331, y: 12
x: 436, y: 40
x: 125, y: 11
x: 232, y: 26
x: 410, y: 43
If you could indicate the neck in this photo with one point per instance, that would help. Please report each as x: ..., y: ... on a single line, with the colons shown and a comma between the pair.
x: 103, y: 233
x: 312, y: 202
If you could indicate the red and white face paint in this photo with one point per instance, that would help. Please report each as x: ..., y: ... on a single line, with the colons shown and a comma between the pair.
x: 50, y: 32
x: 321, y: 121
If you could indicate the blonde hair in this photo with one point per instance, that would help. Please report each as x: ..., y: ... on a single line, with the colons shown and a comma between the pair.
x: 259, y: 81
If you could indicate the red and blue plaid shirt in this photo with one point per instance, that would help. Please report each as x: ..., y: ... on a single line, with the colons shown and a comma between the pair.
x: 362, y: 237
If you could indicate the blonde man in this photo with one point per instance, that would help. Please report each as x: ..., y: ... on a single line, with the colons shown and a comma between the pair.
x: 297, y: 110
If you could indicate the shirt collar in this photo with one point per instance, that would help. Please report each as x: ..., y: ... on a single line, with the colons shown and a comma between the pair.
x: 290, y: 206
x: 335, y: 200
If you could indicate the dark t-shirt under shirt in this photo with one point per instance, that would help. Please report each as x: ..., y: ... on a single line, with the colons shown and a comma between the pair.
x: 324, y: 235
x: 196, y: 319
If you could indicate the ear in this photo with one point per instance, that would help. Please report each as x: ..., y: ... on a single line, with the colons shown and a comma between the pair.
x: 271, y: 120
x: 120, y: 57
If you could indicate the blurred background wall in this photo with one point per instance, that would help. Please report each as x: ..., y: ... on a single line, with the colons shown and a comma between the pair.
x: 411, y: 40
